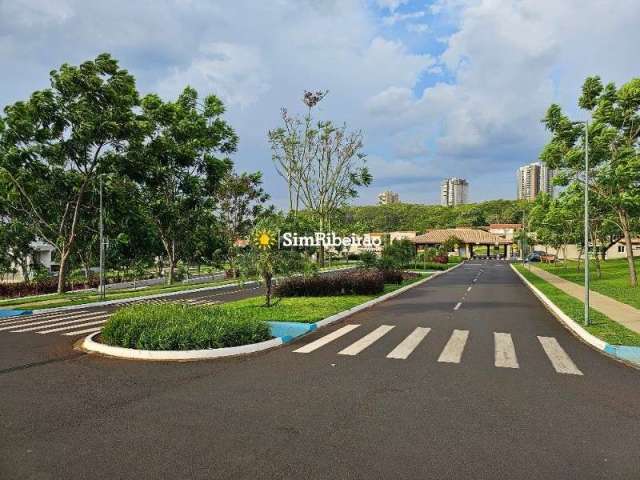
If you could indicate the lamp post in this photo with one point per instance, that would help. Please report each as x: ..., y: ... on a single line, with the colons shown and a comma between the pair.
x: 101, y: 287
x: 586, y: 224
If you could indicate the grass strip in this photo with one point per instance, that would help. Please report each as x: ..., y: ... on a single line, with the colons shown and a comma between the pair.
x: 601, y: 326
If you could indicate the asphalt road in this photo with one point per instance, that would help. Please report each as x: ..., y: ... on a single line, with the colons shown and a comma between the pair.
x: 457, y: 402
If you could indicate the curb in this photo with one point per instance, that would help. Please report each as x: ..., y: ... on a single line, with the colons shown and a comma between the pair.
x: 284, y: 332
x: 625, y: 354
x: 90, y: 346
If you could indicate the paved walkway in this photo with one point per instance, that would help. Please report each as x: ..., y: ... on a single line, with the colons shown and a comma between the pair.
x: 620, y: 312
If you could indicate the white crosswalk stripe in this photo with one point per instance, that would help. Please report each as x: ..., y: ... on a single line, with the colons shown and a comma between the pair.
x: 83, y: 332
x: 367, y: 340
x: 74, y: 325
x: 67, y: 321
x: 409, y: 344
x: 20, y: 326
x: 505, y: 352
x: 310, y: 347
x: 31, y: 318
x: 454, y: 348
x: 558, y: 357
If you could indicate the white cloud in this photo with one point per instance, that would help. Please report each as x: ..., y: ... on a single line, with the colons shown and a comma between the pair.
x: 233, y: 72
x: 418, y: 27
x: 391, y: 5
x: 402, y: 17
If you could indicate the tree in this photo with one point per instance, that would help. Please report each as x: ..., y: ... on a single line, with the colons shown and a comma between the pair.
x: 240, y: 201
x: 176, y: 164
x: 324, y: 168
x: 614, y: 151
x: 15, y: 247
x: 53, y: 144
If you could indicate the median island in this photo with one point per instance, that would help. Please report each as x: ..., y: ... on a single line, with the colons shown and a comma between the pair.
x: 248, y: 321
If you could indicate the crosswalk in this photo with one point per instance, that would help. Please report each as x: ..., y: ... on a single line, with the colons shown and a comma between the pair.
x: 81, y: 322
x: 453, y: 351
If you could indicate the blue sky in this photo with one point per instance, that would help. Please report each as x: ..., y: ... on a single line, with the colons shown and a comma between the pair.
x: 439, y: 88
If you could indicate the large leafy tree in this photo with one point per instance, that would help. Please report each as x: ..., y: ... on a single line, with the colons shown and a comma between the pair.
x: 179, y: 164
x: 614, y: 151
x: 53, y: 144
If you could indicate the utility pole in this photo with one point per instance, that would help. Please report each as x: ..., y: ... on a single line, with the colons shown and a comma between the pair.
x: 586, y: 224
x: 101, y: 288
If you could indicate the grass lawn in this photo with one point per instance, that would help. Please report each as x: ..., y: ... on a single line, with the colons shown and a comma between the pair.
x: 79, y: 298
x: 614, y: 282
x: 601, y: 326
x: 303, y: 309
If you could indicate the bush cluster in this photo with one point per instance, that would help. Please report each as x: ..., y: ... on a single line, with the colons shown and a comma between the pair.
x: 181, y: 327
x: 356, y: 282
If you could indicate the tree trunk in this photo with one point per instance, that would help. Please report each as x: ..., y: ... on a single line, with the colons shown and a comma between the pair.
x: 62, y: 273
x: 624, y: 220
x: 172, y: 268
x: 268, y: 281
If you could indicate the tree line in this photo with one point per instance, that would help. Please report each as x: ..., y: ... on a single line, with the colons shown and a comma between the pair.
x: 170, y: 191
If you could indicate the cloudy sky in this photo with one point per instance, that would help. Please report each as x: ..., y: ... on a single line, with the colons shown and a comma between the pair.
x: 439, y: 88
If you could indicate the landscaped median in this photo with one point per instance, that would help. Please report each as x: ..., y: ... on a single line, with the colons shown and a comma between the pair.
x: 179, y: 332
x: 603, y: 333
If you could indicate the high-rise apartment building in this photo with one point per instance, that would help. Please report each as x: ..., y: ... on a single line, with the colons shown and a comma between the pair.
x: 388, y: 197
x: 454, y: 191
x: 533, y: 179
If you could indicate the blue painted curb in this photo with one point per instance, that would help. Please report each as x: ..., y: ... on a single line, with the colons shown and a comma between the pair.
x: 288, y: 331
x: 14, y: 313
x: 630, y: 354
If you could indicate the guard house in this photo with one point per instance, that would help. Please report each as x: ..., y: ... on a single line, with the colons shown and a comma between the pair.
x: 472, y: 242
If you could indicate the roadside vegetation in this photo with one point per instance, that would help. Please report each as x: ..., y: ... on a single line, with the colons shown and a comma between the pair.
x: 180, y: 327
x: 612, y: 281
x: 601, y: 326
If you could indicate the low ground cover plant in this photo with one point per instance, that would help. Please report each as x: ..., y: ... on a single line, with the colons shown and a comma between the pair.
x: 356, y: 282
x: 181, y: 327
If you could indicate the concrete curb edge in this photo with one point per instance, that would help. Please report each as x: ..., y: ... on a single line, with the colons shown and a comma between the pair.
x: 625, y: 354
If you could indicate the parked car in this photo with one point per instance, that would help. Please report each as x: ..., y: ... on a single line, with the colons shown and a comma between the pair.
x: 534, y: 257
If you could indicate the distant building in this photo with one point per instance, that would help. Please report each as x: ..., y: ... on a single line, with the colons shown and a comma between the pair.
x: 388, y: 197
x: 533, y: 179
x: 505, y: 230
x: 454, y: 191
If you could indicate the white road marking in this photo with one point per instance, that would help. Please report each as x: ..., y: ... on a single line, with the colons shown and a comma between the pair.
x: 87, y: 324
x: 33, y: 318
x: 558, y: 357
x: 452, y: 352
x: 367, y: 340
x: 458, y: 305
x: 409, y: 344
x: 310, y: 347
x: 51, y: 320
x: 475, y: 280
x: 81, y: 332
x: 60, y: 323
x: 469, y: 289
x: 505, y: 352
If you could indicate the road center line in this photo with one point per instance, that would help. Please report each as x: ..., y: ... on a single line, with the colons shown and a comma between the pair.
x: 458, y: 305
x: 469, y: 289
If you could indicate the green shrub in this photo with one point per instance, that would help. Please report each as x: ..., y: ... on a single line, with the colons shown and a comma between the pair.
x: 181, y: 327
x: 356, y: 282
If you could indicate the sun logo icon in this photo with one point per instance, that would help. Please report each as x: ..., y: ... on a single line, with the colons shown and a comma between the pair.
x: 264, y: 239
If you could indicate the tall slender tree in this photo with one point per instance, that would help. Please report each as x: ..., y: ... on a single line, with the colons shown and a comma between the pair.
x: 53, y: 144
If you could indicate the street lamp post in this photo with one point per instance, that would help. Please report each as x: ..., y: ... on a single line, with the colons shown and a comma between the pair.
x: 101, y: 288
x: 586, y: 224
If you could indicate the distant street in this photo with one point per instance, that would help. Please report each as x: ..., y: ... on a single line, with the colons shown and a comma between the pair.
x: 466, y: 376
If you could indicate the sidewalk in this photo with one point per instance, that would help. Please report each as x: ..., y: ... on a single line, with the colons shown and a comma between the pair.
x: 619, y: 312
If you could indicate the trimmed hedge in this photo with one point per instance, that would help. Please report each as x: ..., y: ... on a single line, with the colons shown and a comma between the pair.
x: 181, y: 327
x: 358, y: 282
